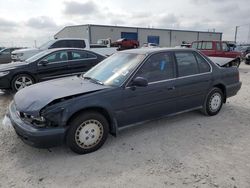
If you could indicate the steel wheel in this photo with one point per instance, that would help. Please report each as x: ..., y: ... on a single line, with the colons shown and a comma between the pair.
x: 89, y: 134
x: 215, y: 102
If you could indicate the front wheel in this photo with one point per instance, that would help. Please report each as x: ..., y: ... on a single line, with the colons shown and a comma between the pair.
x: 213, y: 102
x: 87, y: 132
x: 21, y: 81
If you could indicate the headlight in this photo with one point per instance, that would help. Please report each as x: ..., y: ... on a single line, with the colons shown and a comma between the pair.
x: 4, y: 73
x: 19, y: 55
x: 37, y: 121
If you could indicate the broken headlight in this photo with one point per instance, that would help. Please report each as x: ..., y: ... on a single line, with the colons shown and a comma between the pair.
x: 37, y: 121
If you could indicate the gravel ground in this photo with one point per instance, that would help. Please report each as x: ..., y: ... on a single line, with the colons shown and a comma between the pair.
x: 188, y: 150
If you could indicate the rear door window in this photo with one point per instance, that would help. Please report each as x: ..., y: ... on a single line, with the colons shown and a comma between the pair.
x: 78, y: 55
x: 76, y: 44
x: 202, y: 64
x: 186, y: 63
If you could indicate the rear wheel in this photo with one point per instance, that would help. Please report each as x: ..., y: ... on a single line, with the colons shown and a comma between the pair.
x: 87, y: 132
x: 213, y: 102
x: 21, y: 81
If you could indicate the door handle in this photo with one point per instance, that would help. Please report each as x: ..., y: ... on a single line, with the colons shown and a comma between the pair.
x: 171, y: 88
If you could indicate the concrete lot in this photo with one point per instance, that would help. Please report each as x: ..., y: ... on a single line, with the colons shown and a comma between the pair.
x: 189, y: 150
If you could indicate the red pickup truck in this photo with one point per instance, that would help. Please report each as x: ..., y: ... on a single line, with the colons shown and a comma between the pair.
x: 217, y: 49
x: 125, y: 44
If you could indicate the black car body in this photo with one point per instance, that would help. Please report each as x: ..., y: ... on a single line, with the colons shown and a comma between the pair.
x: 127, y: 88
x: 5, y: 55
x: 46, y: 65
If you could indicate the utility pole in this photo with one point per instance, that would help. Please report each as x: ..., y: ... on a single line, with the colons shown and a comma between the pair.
x: 236, y: 31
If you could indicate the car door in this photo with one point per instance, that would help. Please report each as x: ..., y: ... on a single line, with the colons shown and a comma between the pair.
x: 207, y: 48
x: 81, y: 61
x: 219, y: 51
x: 156, y: 99
x: 194, y: 79
x: 56, y: 65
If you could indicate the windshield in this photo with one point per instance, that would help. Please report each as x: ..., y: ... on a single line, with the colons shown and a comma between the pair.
x: 114, y: 70
x: 37, y: 56
x: 46, y: 45
x: 1, y: 50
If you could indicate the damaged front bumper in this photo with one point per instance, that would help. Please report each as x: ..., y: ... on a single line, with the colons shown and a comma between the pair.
x: 35, y: 136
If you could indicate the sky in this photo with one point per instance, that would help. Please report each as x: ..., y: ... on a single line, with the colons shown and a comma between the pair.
x: 26, y: 22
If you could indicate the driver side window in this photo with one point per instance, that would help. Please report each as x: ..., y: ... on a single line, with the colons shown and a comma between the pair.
x: 61, y: 56
x: 158, y: 67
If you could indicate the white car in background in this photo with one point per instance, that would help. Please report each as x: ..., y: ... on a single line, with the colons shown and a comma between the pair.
x: 23, y: 54
x: 150, y: 45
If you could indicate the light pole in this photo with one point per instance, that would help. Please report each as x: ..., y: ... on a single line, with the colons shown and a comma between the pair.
x: 236, y: 31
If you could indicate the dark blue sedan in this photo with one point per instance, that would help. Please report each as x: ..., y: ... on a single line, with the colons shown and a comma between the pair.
x: 127, y: 88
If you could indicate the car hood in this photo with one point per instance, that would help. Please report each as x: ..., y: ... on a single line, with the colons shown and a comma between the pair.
x: 32, y: 99
x: 30, y: 50
x: 13, y: 65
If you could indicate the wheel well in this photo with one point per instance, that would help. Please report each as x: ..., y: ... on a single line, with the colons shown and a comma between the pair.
x: 100, y: 110
x: 223, y: 89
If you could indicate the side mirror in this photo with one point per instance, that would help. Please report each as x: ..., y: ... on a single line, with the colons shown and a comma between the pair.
x: 43, y: 62
x: 140, y: 82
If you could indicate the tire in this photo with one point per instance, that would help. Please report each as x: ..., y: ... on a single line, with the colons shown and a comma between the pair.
x: 135, y: 46
x: 21, y: 81
x: 213, y: 102
x: 87, y: 132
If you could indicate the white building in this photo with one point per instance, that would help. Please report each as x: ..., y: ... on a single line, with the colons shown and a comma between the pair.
x: 164, y: 37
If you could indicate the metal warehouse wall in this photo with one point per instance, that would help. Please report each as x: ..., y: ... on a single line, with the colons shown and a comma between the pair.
x: 164, y: 36
x: 177, y: 37
x: 103, y: 32
x: 167, y: 38
x: 73, y: 32
x: 210, y: 36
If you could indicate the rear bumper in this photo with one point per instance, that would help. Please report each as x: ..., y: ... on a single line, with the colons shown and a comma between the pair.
x: 233, y: 89
x: 36, y: 137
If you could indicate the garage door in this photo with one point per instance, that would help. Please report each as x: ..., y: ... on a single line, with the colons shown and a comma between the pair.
x: 154, y: 39
x: 129, y: 35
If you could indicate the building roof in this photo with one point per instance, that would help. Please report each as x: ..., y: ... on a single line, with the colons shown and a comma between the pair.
x: 115, y: 26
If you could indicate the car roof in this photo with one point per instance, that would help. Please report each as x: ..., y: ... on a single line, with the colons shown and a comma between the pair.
x: 145, y: 51
x: 60, y: 49
x: 69, y: 39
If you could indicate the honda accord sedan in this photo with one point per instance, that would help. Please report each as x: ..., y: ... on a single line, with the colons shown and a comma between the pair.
x: 128, y: 88
x: 49, y: 64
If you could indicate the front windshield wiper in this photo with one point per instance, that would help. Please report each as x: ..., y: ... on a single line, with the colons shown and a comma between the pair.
x: 93, y: 79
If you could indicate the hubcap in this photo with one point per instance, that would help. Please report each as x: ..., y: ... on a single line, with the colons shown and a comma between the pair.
x: 215, y: 102
x: 89, y: 134
x: 22, y: 82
